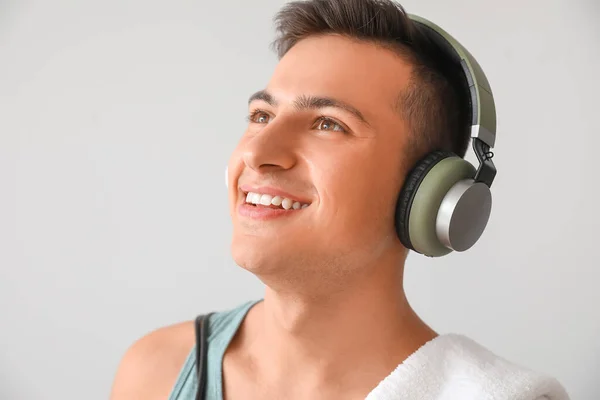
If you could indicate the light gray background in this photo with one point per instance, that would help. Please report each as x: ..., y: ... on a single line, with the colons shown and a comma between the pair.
x: 117, y: 119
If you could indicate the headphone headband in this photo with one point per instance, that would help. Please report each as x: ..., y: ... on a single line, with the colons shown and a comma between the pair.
x: 483, y: 114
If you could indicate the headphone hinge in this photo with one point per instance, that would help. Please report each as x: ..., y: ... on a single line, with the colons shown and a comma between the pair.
x: 486, y: 172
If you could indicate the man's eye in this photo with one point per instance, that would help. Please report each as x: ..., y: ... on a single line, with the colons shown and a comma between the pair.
x: 259, y: 117
x: 327, y: 124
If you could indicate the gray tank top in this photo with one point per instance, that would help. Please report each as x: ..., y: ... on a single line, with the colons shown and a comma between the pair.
x: 222, y: 327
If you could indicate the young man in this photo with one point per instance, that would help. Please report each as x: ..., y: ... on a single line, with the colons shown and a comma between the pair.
x: 355, y: 101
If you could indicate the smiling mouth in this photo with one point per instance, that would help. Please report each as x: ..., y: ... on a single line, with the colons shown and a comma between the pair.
x: 276, y: 202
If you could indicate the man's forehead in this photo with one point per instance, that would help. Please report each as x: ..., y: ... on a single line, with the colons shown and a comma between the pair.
x: 342, y: 68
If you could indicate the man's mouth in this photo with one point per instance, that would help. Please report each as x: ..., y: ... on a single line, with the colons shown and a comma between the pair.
x: 266, y: 200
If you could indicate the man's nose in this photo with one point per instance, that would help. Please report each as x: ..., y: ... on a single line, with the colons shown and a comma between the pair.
x: 271, y: 149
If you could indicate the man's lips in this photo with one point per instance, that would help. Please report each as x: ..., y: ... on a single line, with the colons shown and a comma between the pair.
x: 264, y: 213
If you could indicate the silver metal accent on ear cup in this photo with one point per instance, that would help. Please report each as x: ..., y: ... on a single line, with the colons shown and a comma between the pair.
x: 463, y: 214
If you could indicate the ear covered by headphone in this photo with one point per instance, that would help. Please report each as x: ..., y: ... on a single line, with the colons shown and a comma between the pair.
x: 445, y: 203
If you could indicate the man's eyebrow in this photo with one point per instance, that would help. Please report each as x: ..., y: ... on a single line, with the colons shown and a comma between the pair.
x: 305, y: 102
x: 317, y: 102
x: 264, y: 96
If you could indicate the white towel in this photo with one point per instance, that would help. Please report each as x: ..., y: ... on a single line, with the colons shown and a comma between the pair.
x: 454, y: 367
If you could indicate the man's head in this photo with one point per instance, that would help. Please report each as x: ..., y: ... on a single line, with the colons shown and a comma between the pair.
x: 359, y: 95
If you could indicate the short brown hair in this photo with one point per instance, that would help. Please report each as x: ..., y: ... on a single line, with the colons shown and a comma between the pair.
x: 436, y: 103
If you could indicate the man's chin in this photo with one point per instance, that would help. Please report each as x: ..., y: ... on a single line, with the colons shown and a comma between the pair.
x: 266, y: 257
x: 256, y: 261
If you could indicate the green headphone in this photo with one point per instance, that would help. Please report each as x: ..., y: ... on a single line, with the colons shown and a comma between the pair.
x: 445, y: 203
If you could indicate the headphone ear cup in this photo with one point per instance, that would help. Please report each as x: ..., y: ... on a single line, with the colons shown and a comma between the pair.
x: 425, y: 188
x: 409, y: 189
x: 463, y: 214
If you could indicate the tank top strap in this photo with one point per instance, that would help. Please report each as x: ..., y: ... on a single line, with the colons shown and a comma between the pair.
x: 222, y: 327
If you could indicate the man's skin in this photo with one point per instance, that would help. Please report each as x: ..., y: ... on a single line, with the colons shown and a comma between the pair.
x: 335, y: 320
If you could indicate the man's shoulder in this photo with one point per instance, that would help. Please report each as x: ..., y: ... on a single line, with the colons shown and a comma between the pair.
x: 151, y: 365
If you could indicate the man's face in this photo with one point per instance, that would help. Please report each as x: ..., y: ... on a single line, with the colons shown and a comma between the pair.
x: 325, y: 134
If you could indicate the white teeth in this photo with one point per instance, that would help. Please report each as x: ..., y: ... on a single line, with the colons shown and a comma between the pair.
x: 266, y: 200
x: 277, y: 200
x: 287, y: 204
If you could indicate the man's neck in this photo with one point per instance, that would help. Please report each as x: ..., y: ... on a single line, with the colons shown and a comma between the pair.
x: 351, y: 339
